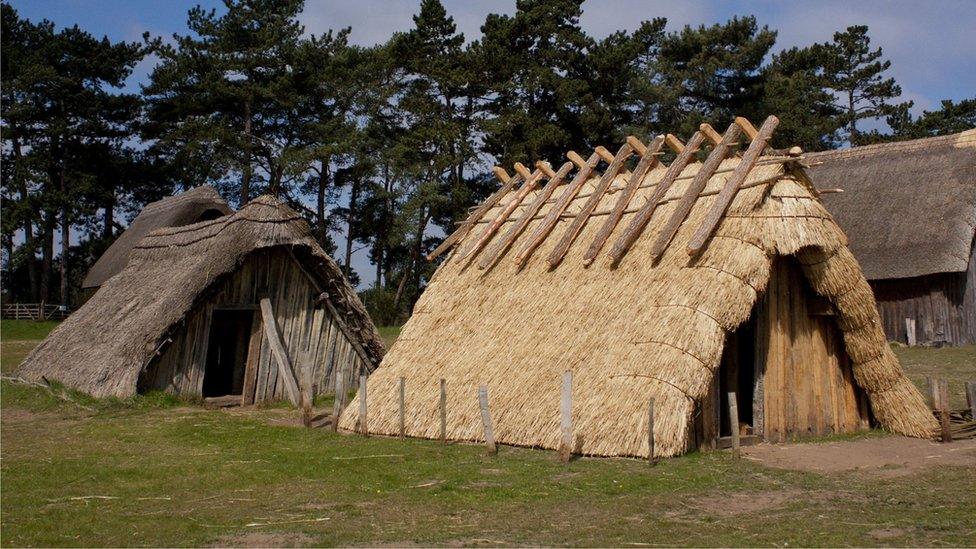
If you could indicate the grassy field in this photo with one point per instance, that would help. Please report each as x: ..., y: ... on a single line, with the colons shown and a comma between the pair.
x: 153, y: 470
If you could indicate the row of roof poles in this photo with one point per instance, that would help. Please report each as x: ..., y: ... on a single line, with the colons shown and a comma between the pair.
x: 723, y: 146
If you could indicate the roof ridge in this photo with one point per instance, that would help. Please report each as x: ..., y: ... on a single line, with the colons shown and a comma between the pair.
x: 962, y: 139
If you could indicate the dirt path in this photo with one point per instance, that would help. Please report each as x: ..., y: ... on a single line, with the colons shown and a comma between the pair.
x: 885, y: 456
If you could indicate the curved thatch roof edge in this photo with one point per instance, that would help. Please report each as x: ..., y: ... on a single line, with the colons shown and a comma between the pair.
x: 908, y: 207
x: 178, y: 210
x: 103, y: 347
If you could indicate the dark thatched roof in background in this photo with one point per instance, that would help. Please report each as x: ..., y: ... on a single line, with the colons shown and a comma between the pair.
x: 189, y: 207
x: 908, y: 208
x: 102, y: 348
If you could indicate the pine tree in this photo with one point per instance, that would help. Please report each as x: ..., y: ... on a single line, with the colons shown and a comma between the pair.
x: 855, y: 73
x: 793, y: 92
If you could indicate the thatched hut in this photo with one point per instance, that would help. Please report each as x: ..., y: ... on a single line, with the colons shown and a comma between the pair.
x: 909, y: 210
x: 195, y: 205
x: 204, y: 309
x: 724, y: 275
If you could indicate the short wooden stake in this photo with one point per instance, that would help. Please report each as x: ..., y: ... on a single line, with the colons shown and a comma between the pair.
x: 650, y: 431
x: 486, y: 420
x: 971, y: 398
x: 403, y: 407
x: 943, y: 385
x: 566, y: 413
x: 363, y: 428
x: 443, y: 411
x: 910, y: 332
x: 734, y: 424
x: 933, y: 392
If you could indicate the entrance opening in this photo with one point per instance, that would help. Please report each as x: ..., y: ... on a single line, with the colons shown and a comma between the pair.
x: 230, y: 333
x: 737, y: 373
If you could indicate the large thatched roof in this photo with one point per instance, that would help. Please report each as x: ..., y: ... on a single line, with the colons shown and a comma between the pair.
x: 175, y: 211
x: 640, y: 329
x: 102, y: 347
x: 908, y: 208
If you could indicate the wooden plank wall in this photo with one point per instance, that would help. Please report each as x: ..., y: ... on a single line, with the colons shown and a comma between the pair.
x: 808, y: 387
x: 317, y: 347
x: 943, y: 306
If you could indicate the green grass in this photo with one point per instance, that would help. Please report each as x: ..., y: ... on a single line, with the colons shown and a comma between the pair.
x: 389, y: 334
x: 956, y: 364
x: 25, y: 330
x: 158, y: 470
x: 163, y: 475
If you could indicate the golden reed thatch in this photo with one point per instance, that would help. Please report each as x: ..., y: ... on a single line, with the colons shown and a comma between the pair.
x: 628, y: 332
x: 105, y: 345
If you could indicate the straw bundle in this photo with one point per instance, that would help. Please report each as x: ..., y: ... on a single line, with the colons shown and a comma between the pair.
x: 637, y: 331
x: 103, y: 347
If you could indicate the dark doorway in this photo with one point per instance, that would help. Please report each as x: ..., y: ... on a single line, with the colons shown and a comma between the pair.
x: 738, y: 373
x: 230, y: 333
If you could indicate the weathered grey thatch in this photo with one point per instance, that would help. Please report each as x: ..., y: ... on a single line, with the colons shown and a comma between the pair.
x: 104, y: 346
x: 908, y: 208
x: 197, y: 204
x: 638, y: 330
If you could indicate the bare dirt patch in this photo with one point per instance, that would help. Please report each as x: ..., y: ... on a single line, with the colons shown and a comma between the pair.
x: 885, y: 456
x: 264, y: 539
x: 743, y: 503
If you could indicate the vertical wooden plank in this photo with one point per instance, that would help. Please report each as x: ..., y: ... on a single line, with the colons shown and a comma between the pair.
x: 650, y: 431
x: 253, y: 362
x: 403, y: 407
x: 910, y: 332
x: 443, y: 411
x: 340, y: 393
x: 566, y: 415
x: 279, y: 351
x: 363, y: 424
x: 486, y: 420
x: 734, y: 423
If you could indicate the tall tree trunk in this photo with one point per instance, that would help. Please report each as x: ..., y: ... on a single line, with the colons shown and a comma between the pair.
x: 351, y: 224
x: 415, y: 250
x: 852, y: 113
x: 418, y: 250
x: 276, y: 175
x: 28, y: 222
x: 47, y: 255
x: 379, y: 245
x: 65, y: 234
x: 246, y: 168
x: 321, y: 231
x: 108, y: 228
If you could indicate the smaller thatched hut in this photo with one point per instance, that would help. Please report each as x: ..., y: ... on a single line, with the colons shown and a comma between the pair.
x: 208, y: 309
x: 909, y: 210
x: 725, y: 275
x: 195, y: 205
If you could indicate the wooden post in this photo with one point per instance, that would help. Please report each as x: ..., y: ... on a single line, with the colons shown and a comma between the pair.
x: 910, y: 332
x: 566, y: 413
x: 486, y: 420
x: 363, y: 428
x: 337, y: 401
x: 403, y: 407
x: 933, y: 392
x: 734, y: 424
x: 971, y: 398
x: 443, y: 411
x: 943, y: 385
x: 650, y: 431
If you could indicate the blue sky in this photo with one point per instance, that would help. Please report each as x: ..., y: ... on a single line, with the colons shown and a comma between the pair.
x: 929, y: 44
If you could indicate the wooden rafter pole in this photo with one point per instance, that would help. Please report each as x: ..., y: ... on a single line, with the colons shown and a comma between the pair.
x: 530, y: 184
x: 759, y: 140
x: 718, y: 154
x: 552, y: 217
x: 643, y: 216
x: 649, y: 158
x: 555, y: 179
x: 616, y: 164
x: 508, y: 183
